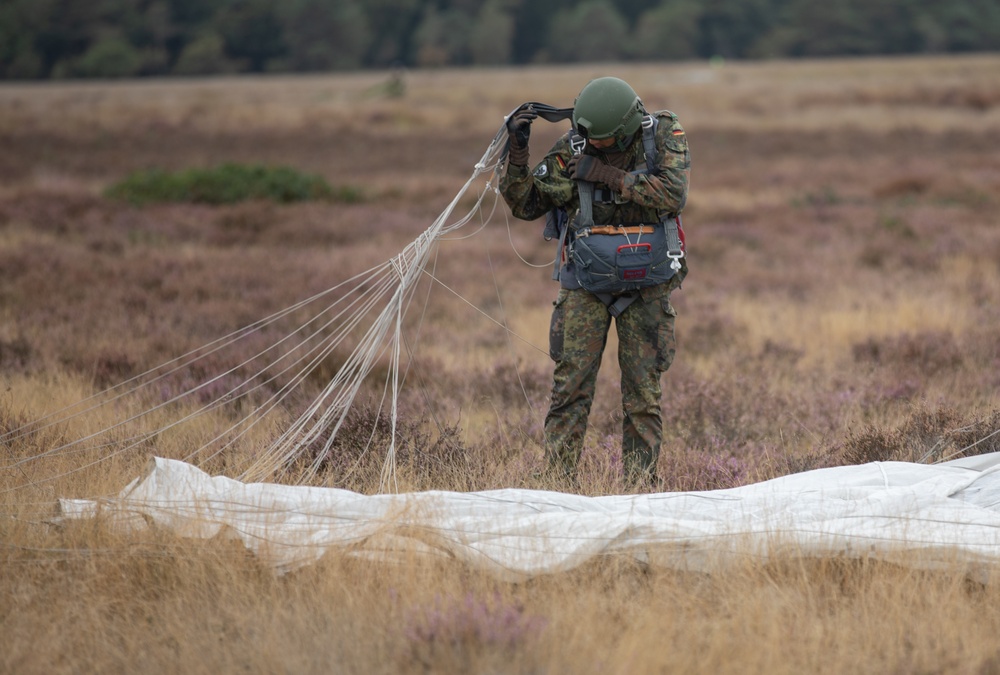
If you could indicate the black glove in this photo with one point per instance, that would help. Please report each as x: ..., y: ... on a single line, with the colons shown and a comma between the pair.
x: 518, y: 131
x: 593, y: 170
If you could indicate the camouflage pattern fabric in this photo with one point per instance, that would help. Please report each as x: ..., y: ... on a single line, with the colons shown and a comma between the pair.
x: 531, y: 194
x: 580, y: 321
x: 646, y: 346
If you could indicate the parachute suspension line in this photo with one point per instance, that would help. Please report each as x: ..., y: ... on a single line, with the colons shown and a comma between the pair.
x: 510, y: 238
x: 960, y: 452
x: 387, y: 482
x: 483, y: 220
x: 483, y: 313
x: 322, y: 420
x: 267, y: 463
x: 385, y: 291
x: 507, y: 334
x: 228, y: 397
x: 320, y: 352
x: 411, y: 349
x: 179, y: 363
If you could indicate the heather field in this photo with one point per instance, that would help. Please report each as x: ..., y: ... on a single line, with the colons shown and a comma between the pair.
x: 842, y: 307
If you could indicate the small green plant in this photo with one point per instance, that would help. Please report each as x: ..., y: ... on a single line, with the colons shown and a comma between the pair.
x: 227, y: 184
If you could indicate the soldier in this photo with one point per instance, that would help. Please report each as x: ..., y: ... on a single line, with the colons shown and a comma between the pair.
x: 604, y: 157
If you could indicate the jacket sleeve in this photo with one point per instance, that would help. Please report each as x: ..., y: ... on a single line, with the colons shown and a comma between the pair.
x: 531, y: 194
x: 666, y: 188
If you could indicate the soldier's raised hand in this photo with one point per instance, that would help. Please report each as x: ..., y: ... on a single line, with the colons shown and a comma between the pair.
x: 518, y: 131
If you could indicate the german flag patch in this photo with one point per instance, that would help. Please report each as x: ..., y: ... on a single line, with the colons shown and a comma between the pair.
x: 561, y: 162
x: 677, y: 132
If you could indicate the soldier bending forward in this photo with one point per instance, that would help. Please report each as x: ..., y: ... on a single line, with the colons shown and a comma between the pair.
x: 632, y: 170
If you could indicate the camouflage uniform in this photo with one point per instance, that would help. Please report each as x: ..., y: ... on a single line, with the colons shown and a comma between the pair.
x: 580, y: 321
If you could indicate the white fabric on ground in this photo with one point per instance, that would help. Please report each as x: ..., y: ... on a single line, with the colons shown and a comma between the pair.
x: 924, y: 515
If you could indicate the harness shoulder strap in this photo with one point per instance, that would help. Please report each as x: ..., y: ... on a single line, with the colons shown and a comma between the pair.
x: 558, y: 217
x: 650, y: 160
x: 671, y: 221
x: 586, y: 216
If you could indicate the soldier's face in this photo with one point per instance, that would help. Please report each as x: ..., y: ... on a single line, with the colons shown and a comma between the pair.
x: 601, y: 143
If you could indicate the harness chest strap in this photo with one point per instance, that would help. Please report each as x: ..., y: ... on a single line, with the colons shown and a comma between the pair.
x: 585, y: 223
x: 622, y: 229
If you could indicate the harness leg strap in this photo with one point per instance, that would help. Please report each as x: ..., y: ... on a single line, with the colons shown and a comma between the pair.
x: 617, y: 304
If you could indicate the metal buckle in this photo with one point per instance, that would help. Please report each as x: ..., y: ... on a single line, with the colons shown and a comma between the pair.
x: 577, y: 144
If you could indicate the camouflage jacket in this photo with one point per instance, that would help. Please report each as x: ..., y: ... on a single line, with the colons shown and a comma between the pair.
x: 532, y: 194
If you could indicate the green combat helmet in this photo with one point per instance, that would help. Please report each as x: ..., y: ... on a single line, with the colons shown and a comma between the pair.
x: 607, y: 107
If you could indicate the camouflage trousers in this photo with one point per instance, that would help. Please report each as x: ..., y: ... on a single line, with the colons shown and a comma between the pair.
x: 646, y: 346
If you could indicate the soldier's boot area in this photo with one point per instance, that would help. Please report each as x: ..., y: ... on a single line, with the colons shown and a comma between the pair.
x: 639, y: 456
x: 562, y: 452
x: 642, y: 428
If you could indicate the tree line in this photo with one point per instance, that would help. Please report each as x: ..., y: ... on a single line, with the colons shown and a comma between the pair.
x: 42, y: 39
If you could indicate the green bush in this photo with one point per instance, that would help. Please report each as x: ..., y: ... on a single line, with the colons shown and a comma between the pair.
x: 109, y: 58
x: 227, y: 184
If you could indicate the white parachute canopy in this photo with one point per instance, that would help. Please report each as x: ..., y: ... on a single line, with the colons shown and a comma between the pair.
x: 923, y: 515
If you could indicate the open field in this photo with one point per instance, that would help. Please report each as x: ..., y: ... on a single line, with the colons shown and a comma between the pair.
x: 842, y: 307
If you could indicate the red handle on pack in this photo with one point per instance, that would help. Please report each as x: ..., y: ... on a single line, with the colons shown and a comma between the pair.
x: 648, y: 247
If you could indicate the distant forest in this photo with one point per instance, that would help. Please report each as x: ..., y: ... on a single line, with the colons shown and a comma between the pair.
x: 41, y: 39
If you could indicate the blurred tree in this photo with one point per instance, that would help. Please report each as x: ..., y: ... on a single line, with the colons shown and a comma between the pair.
x: 825, y: 29
x: 531, y: 29
x: 492, y: 34
x: 668, y: 32
x: 18, y: 56
x: 252, y: 31
x: 152, y: 27
x: 190, y: 19
x: 325, y: 34
x: 155, y: 31
x: 592, y: 31
x: 62, y: 29
x: 393, y: 24
x: 113, y: 57
x: 729, y: 28
x: 632, y: 10
x: 930, y: 33
x: 72, y: 38
x: 442, y: 38
x: 970, y: 25
x: 193, y: 14
x: 467, y: 7
x: 205, y: 55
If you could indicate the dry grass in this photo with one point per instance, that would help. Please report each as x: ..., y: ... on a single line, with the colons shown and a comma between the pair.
x: 157, y: 604
x: 842, y: 307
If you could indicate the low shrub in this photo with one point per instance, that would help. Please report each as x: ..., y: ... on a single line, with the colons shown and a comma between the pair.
x: 227, y: 184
